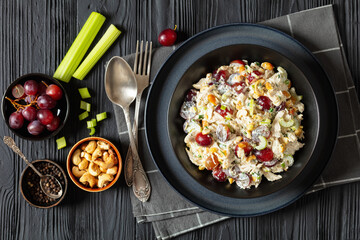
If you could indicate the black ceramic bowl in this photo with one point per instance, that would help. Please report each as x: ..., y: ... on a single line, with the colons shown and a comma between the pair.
x: 28, y: 186
x: 61, y: 109
x: 202, y: 54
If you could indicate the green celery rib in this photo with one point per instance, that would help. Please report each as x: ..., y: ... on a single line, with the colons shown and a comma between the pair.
x: 111, y: 34
x: 79, y: 47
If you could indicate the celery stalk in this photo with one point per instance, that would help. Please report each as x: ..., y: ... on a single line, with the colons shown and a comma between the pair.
x: 96, y: 53
x: 79, y: 47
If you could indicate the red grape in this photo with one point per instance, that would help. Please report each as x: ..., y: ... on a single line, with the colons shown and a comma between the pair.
x: 167, y: 37
x: 31, y: 87
x: 239, y: 87
x: 186, y: 111
x: 223, y: 110
x: 260, y: 131
x: 35, y: 127
x: 42, y: 89
x: 264, y: 155
x: 280, y: 107
x: 30, y: 98
x: 264, y: 102
x: 45, y: 116
x: 251, y: 78
x: 257, y: 72
x: 222, y: 132
x: 54, y: 91
x: 270, y: 163
x: 221, y: 74
x: 29, y: 113
x: 203, y: 139
x: 219, y: 174
x: 245, y: 146
x: 46, y: 102
x: 18, y: 91
x: 191, y: 95
x: 238, y: 62
x: 243, y: 180
x: 16, y: 120
x: 54, y: 124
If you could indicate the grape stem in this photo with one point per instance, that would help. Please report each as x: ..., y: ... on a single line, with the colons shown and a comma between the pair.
x: 18, y: 106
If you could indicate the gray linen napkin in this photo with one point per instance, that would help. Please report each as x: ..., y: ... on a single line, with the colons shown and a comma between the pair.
x: 172, y: 215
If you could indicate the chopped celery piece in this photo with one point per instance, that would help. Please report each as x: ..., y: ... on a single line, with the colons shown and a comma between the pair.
x: 91, y: 123
x: 101, y: 116
x: 251, y: 107
x: 79, y: 47
x: 85, y: 106
x: 263, y: 143
x: 266, y: 121
x: 84, y: 93
x: 223, y: 107
x: 83, y: 115
x: 111, y: 34
x: 61, y: 143
x: 92, y: 131
x: 289, y: 123
x: 289, y: 159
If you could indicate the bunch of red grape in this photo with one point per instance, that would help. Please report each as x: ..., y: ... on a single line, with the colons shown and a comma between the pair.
x: 39, y: 100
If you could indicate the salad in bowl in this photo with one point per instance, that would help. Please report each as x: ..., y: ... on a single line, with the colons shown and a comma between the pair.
x: 243, y: 123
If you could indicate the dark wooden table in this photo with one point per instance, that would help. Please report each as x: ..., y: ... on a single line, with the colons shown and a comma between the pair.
x: 36, y: 34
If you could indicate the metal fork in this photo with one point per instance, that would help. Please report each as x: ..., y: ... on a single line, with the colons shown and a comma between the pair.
x: 141, y: 69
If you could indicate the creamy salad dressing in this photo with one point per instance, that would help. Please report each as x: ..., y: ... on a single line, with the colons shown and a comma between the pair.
x: 243, y: 122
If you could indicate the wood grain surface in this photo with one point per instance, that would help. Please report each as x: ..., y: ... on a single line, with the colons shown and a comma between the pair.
x: 35, y: 35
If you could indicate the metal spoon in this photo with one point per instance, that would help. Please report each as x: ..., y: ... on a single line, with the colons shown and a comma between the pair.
x: 11, y: 143
x: 121, y: 89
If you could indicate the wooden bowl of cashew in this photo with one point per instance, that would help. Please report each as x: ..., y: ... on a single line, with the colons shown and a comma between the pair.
x: 94, y: 164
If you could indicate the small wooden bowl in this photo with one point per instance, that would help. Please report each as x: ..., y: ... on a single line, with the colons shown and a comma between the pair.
x: 25, y: 193
x: 69, y: 165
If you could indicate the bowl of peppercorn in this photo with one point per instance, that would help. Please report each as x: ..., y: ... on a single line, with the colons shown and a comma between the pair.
x: 30, y: 184
x: 35, y: 106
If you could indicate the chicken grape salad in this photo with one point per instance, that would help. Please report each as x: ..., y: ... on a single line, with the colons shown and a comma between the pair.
x: 243, y: 122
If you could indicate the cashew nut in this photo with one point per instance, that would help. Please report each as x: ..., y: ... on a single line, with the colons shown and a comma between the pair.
x: 105, y: 155
x: 112, y: 171
x: 83, y: 164
x: 90, y: 148
x: 83, y: 146
x: 94, y: 169
x: 103, y: 145
x: 103, y: 169
x: 102, y: 164
x: 77, y: 172
x: 87, y: 178
x: 96, y: 154
x: 76, y: 157
x: 104, y: 179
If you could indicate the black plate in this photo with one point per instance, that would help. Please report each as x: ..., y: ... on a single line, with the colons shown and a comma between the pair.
x: 202, y: 54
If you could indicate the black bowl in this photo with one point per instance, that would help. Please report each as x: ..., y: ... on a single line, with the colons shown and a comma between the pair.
x: 26, y: 186
x: 202, y: 54
x: 61, y: 110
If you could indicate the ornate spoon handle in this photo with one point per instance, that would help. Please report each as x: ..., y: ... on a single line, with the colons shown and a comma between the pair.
x: 141, y: 185
x: 11, y: 143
